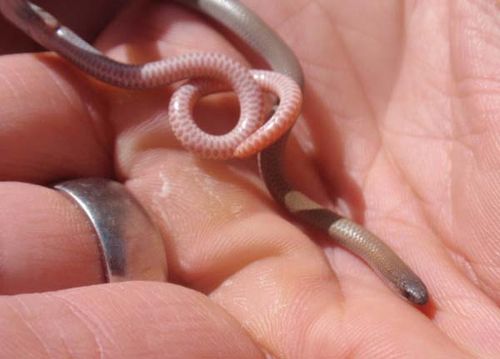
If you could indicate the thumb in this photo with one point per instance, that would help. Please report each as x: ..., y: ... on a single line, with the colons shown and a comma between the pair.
x: 122, y: 320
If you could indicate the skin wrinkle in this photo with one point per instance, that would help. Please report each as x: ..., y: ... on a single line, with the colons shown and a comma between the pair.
x: 102, y: 135
x: 357, y: 79
x: 97, y: 115
x: 343, y: 47
x: 433, y: 81
x: 461, y: 139
x: 290, y: 18
x: 463, y: 307
x: 360, y: 334
x: 340, y: 312
x: 48, y: 351
x: 93, y: 117
x: 244, y: 263
x: 304, y: 59
x: 435, y: 232
x: 61, y: 86
x: 19, y: 79
x: 460, y: 306
x: 325, y: 175
x: 455, y: 251
x: 311, y: 65
x: 26, y: 323
x: 293, y: 11
x: 399, y: 62
x: 202, y: 25
x: 392, y: 217
x: 400, y: 172
x: 10, y: 86
x: 67, y: 348
x: 201, y: 315
x: 460, y: 77
x: 411, y: 186
x: 469, y: 148
x: 175, y: 317
x: 419, y: 136
x: 474, y: 31
x: 301, y: 346
x: 156, y: 36
x: 85, y: 320
x: 305, y: 286
x: 484, y: 85
x: 482, y: 5
x: 468, y: 266
x: 448, y: 303
x: 370, y: 168
x: 410, y: 182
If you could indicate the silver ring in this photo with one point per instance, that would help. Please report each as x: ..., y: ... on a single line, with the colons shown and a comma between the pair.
x: 131, y: 245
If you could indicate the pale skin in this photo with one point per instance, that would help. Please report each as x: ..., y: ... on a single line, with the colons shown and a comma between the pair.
x: 400, y: 132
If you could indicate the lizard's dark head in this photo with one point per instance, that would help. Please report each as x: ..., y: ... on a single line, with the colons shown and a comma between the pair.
x: 415, y: 292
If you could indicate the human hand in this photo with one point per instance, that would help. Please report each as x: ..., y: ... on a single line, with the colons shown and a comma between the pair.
x: 370, y: 119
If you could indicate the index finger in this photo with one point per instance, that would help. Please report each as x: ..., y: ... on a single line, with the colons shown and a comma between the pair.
x: 52, y: 123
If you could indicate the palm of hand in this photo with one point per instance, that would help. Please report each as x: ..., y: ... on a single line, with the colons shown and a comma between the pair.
x: 400, y: 119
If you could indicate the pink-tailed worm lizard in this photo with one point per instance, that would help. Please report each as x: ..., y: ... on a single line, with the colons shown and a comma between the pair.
x: 205, y: 73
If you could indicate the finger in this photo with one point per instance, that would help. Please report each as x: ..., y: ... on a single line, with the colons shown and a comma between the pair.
x: 52, y: 122
x: 130, y: 320
x: 46, y: 242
